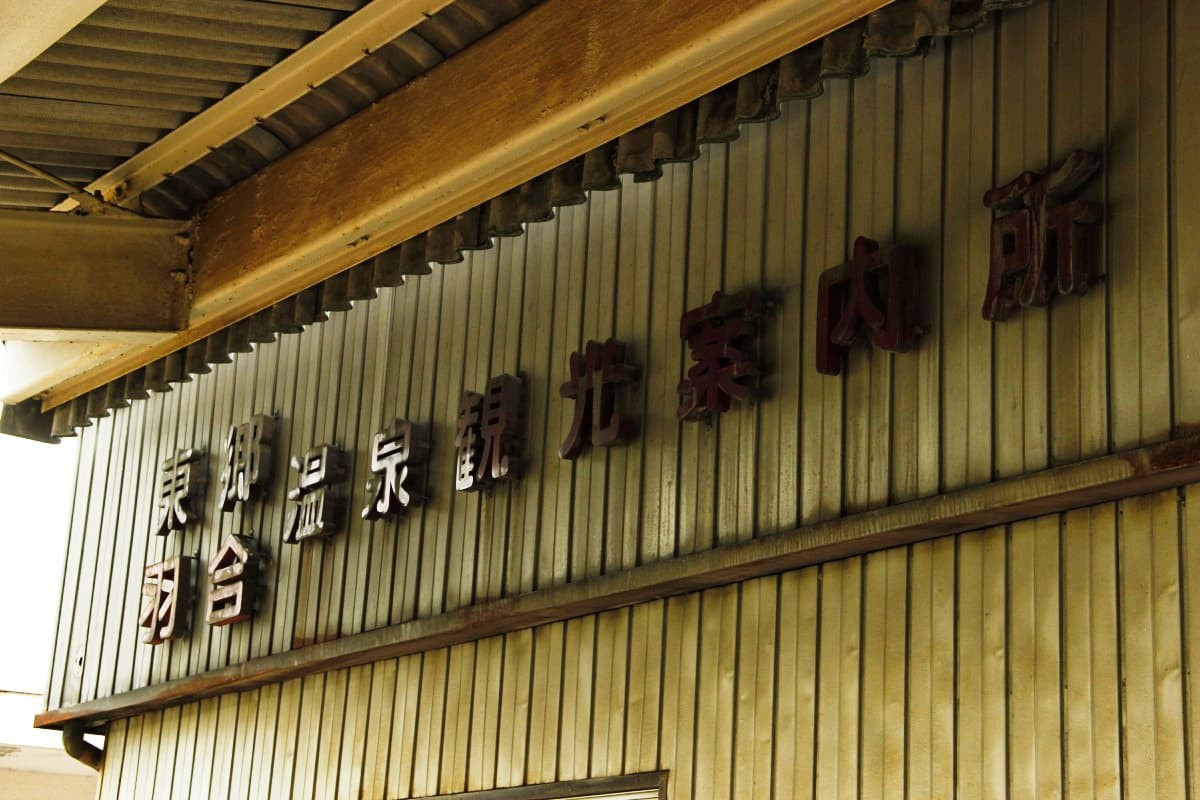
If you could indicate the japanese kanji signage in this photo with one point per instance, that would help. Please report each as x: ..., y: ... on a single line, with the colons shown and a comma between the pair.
x: 466, y: 442
x: 1042, y: 243
x: 398, y: 456
x: 166, y: 599
x: 247, y: 461
x: 234, y: 573
x: 488, y: 437
x: 179, y: 491
x: 595, y: 375
x: 319, y: 506
x: 869, y: 296
x: 720, y: 336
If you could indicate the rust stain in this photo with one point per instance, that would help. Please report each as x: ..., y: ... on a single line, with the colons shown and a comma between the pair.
x: 1175, y: 455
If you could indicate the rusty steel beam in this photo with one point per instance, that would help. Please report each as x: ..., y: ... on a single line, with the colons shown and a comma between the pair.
x: 1100, y: 480
x: 89, y: 275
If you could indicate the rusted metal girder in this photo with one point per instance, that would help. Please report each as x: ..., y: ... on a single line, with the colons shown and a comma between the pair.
x: 62, y: 272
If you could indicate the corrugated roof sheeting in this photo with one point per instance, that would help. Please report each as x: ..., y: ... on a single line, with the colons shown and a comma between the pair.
x: 905, y: 28
x: 437, y: 38
x: 132, y: 72
x: 137, y: 69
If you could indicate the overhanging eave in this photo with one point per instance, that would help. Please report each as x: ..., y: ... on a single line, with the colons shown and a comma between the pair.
x: 556, y: 82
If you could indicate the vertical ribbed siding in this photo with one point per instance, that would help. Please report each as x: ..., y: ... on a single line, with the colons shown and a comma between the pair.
x: 966, y: 376
x: 1184, y: 143
x: 902, y: 154
x: 933, y: 670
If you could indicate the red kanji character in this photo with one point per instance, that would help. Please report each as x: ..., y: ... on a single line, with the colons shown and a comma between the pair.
x: 166, y: 598
x: 234, y: 572
x: 717, y: 334
x: 1040, y: 245
x: 870, y: 293
x: 597, y: 371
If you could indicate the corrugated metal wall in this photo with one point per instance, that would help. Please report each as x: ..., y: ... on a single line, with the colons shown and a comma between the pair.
x: 904, y: 153
x: 1056, y: 657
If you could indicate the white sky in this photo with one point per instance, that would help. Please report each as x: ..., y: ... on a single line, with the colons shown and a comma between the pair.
x: 35, y: 503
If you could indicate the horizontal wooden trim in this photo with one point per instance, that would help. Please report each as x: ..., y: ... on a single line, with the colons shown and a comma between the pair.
x: 554, y: 83
x: 1149, y: 469
x: 565, y: 790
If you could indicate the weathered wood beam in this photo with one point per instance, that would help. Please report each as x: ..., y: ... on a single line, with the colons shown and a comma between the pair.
x: 1100, y: 480
x: 559, y: 80
x: 60, y: 272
